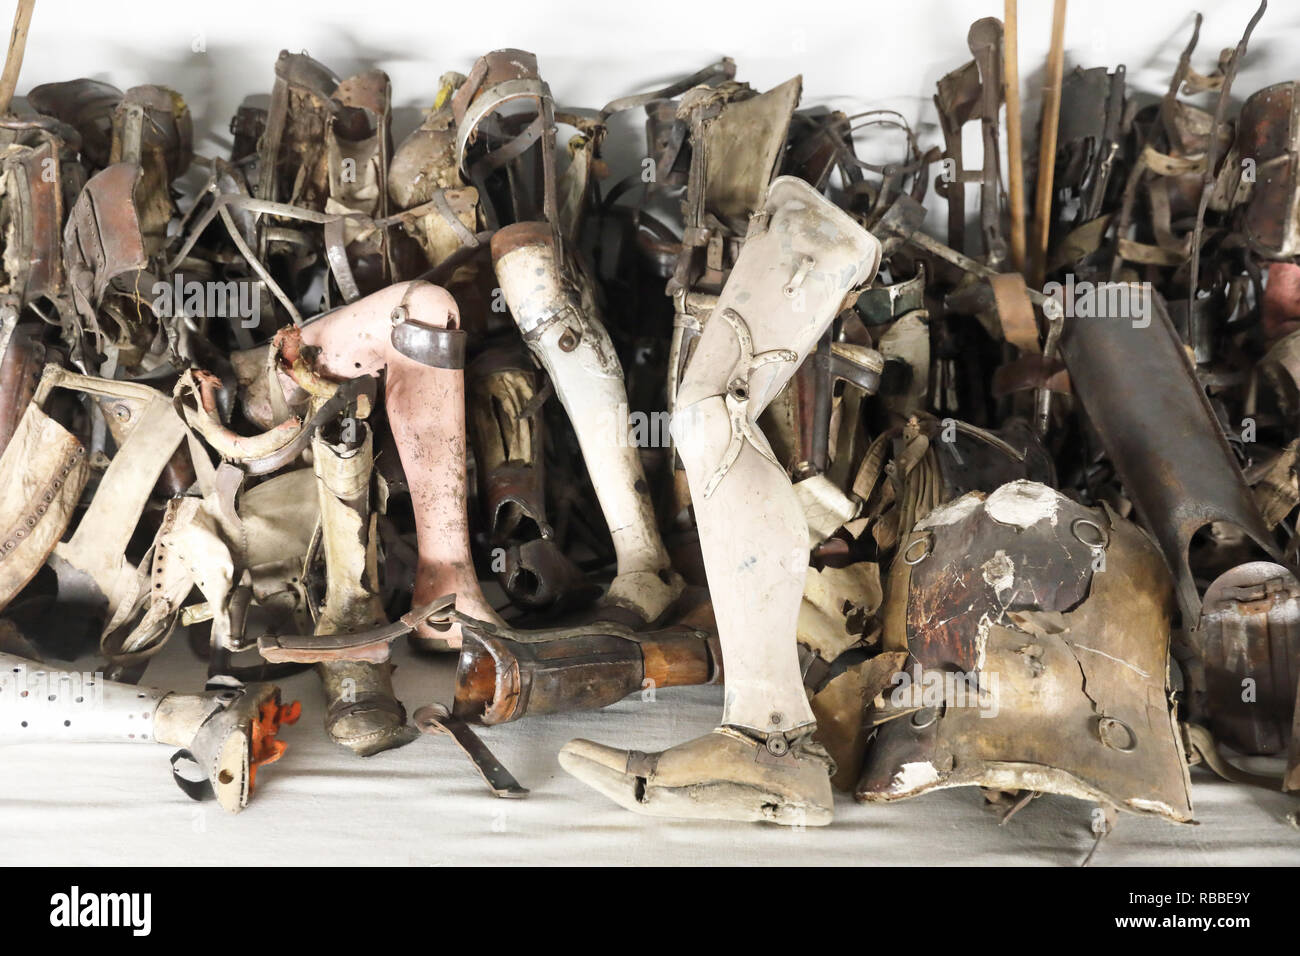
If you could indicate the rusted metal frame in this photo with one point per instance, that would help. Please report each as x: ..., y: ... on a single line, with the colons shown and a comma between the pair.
x: 1211, y: 159
x: 310, y: 648
x: 220, y: 207
x: 724, y: 69
x: 892, y: 174
x: 1109, y: 145
x: 1169, y: 124
x: 985, y: 43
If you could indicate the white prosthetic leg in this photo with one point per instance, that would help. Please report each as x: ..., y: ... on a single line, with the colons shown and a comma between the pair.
x: 557, y: 314
x: 802, y: 257
x: 227, y: 733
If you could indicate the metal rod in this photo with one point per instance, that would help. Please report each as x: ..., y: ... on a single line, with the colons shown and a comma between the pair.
x: 1048, y: 126
x: 1015, y: 149
x: 14, y: 56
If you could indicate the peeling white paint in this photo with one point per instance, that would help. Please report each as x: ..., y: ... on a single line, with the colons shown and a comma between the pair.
x: 953, y: 511
x: 999, y: 573
x: 1023, y: 504
x: 914, y: 776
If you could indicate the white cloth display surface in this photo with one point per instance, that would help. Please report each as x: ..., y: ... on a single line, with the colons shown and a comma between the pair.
x: 423, y: 805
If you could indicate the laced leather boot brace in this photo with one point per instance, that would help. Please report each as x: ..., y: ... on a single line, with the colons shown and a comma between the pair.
x: 802, y: 257
x: 362, y: 713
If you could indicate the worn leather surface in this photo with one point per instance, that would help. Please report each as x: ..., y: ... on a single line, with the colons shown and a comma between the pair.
x: 1069, y: 645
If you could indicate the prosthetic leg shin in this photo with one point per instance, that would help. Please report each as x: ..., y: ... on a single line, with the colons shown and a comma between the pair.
x: 228, y: 733
x: 803, y: 256
x: 411, y: 330
x: 555, y: 308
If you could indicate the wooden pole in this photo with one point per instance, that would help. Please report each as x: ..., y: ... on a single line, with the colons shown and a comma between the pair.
x: 1015, y: 148
x: 14, y: 56
x: 1047, y: 144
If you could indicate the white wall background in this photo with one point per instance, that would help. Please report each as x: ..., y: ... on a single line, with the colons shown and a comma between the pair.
x: 853, y: 54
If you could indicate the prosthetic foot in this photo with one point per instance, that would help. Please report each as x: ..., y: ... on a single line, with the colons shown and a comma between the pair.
x: 724, y: 775
x: 362, y: 713
x: 802, y: 257
x: 554, y: 305
x: 227, y: 733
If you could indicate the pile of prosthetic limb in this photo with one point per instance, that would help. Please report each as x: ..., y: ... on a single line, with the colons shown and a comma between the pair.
x: 1012, y: 508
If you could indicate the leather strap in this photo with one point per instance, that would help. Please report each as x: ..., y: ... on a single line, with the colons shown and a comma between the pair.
x: 1015, y: 312
x: 197, y: 790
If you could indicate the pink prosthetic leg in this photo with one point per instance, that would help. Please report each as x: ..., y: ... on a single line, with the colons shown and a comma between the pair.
x: 411, y: 331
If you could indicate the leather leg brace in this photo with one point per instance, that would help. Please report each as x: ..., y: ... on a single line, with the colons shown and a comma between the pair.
x: 351, y: 589
x: 362, y: 713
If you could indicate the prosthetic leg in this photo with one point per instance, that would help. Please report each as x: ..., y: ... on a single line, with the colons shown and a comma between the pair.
x: 555, y: 307
x: 802, y: 257
x: 411, y: 330
x: 228, y: 733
